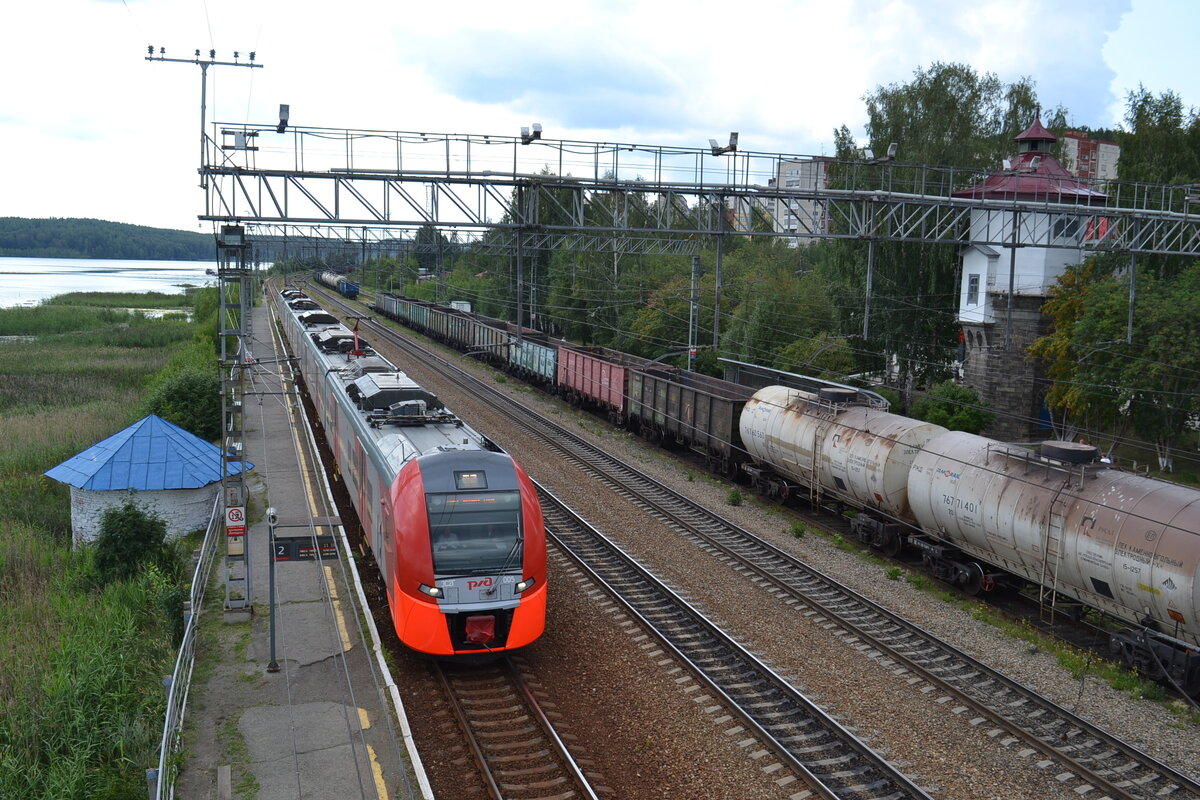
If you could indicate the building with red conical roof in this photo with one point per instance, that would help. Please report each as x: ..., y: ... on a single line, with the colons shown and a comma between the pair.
x: 1003, y: 287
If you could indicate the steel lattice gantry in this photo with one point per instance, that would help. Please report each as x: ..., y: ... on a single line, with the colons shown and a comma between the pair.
x: 398, y: 238
x: 509, y: 192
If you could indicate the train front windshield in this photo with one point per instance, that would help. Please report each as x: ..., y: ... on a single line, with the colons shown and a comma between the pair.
x: 475, y: 533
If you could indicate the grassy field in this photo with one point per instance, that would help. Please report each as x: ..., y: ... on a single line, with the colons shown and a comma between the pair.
x: 122, y: 300
x: 81, y: 661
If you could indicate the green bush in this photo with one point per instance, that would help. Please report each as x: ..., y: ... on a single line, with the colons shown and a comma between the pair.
x: 734, y: 498
x: 953, y: 406
x: 130, y: 538
x: 192, y: 400
x: 89, y: 717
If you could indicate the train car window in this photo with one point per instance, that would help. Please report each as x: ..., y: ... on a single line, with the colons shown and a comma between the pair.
x: 476, y: 533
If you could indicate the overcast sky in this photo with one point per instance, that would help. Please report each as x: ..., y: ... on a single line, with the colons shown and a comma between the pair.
x: 88, y: 128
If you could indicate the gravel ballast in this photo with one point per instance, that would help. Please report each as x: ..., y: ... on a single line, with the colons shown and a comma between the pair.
x: 626, y: 708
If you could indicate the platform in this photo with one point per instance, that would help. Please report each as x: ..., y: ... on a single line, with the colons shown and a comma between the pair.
x: 329, y: 723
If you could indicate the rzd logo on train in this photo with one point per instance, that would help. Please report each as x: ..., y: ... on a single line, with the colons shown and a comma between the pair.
x: 486, y: 583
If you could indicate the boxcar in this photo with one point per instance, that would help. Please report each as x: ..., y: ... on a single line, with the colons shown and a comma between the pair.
x: 458, y: 325
x: 488, y: 339
x: 418, y: 314
x: 690, y: 408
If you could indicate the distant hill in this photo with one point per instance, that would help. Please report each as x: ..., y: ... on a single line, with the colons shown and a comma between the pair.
x: 95, y: 238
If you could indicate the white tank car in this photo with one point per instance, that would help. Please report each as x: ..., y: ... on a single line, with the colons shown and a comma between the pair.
x: 829, y: 439
x: 1117, y: 541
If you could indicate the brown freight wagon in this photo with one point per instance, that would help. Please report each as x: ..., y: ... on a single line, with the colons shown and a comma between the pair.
x: 690, y: 408
x: 596, y: 378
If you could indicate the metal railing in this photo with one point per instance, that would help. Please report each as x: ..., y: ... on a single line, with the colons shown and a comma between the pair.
x: 160, y: 780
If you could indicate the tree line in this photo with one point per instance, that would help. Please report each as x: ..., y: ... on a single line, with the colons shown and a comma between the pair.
x: 95, y: 238
x: 801, y: 308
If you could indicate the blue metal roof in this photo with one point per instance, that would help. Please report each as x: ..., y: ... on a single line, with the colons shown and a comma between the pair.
x: 151, y: 454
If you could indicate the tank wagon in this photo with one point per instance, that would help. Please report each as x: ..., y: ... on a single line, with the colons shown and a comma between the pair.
x: 454, y: 524
x: 338, y: 282
x: 977, y: 511
x: 1119, y: 542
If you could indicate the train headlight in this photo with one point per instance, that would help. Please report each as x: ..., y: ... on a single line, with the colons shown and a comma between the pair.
x: 432, y: 591
x: 525, y: 584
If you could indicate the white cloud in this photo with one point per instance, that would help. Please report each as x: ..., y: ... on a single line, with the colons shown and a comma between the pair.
x: 89, y: 128
x: 1152, y: 47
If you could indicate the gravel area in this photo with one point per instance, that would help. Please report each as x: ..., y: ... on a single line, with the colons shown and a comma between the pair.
x: 604, y: 669
x: 623, y: 716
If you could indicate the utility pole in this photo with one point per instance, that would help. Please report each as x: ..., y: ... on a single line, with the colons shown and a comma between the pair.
x: 870, y: 274
x: 234, y: 329
x: 693, y: 313
x: 720, y: 208
x: 236, y: 296
x: 204, y: 65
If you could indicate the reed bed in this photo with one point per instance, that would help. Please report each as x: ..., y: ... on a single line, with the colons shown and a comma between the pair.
x: 42, y: 320
x: 84, y: 718
x: 122, y: 300
x: 81, y: 697
x: 90, y: 326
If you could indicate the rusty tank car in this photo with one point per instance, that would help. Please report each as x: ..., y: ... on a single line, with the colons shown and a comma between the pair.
x: 981, y: 512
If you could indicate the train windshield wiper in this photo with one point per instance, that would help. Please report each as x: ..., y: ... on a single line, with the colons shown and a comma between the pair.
x: 512, y: 554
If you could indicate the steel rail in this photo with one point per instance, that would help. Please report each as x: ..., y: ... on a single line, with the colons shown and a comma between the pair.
x: 834, y: 762
x: 844, y: 604
x: 551, y: 750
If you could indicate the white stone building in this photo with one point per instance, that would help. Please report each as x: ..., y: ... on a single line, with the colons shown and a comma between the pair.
x: 166, y: 470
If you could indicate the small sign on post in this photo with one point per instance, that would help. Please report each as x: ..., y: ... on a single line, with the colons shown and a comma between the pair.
x: 235, y: 521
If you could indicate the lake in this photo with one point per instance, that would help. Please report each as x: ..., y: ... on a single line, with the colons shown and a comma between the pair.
x: 28, y: 281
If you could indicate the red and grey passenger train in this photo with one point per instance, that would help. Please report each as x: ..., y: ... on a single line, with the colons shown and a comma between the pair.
x: 979, y: 512
x: 454, y: 524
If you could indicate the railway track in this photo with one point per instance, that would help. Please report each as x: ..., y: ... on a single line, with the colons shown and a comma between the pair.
x: 515, y: 747
x: 1098, y: 763
x: 806, y: 740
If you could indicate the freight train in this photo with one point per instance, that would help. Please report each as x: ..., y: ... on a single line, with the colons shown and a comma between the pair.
x: 980, y: 513
x: 338, y: 282
x: 454, y: 524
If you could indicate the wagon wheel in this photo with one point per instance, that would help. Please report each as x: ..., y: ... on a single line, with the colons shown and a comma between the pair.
x: 972, y: 581
x: 891, y: 544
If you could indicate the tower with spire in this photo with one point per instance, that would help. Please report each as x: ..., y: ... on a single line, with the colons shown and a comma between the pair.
x: 1003, y: 287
